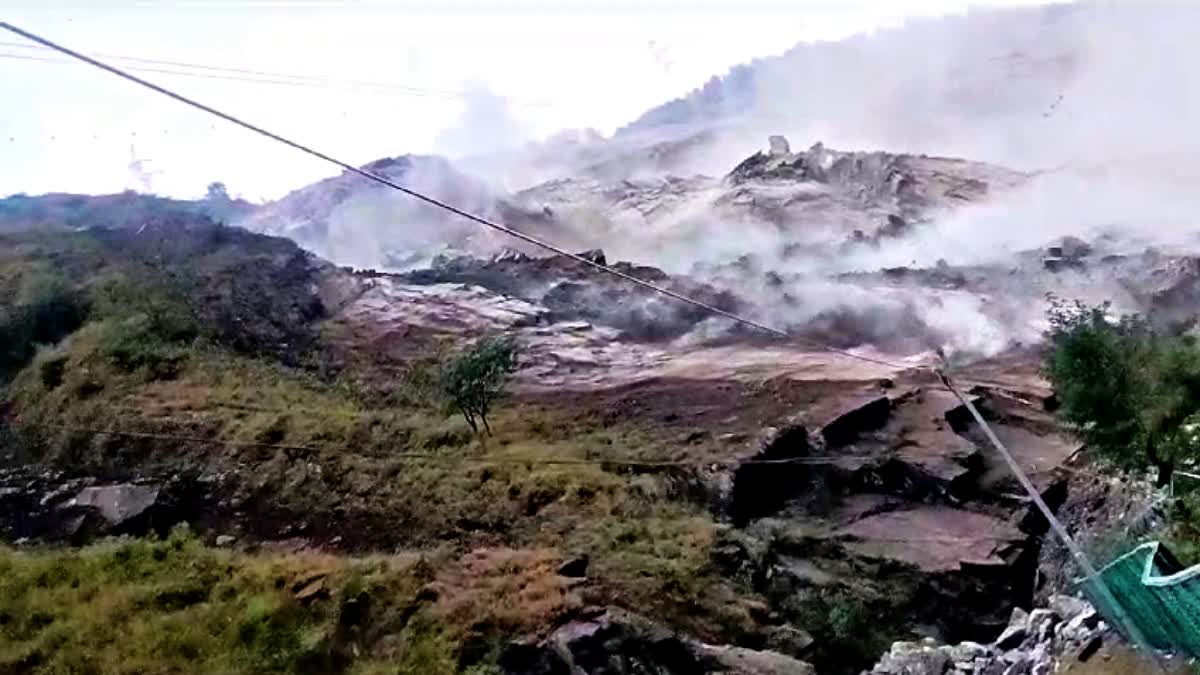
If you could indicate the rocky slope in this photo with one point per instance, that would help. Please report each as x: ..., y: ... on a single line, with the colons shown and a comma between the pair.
x: 286, y: 410
x: 1035, y: 643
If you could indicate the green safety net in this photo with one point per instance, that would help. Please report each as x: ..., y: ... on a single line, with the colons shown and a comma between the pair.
x: 1157, y: 594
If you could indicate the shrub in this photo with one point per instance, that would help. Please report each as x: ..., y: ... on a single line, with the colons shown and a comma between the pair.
x: 1128, y: 392
x: 46, y: 310
x: 476, y: 378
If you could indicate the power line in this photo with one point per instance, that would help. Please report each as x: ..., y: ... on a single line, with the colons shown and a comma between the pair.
x: 167, y: 71
x: 261, y: 77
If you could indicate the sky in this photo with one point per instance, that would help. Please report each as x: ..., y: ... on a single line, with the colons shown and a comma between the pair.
x: 363, y: 80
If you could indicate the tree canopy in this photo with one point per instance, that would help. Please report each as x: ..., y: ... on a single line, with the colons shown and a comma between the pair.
x: 1131, y: 394
x: 476, y: 378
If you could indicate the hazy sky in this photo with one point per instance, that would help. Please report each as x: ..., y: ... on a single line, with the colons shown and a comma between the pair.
x: 461, y: 75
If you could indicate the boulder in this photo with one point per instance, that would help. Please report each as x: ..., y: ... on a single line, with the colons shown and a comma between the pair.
x: 118, y: 503
x: 913, y: 658
x: 1081, y: 628
x: 1041, y: 624
x: 1040, y: 660
x: 1016, y: 631
x: 967, y: 652
x: 779, y: 146
x: 1068, y: 607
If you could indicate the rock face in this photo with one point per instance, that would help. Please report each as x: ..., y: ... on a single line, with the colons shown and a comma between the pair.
x: 570, y: 291
x: 118, y: 504
x: 887, y: 493
x: 1032, y: 643
x: 51, y: 506
x: 619, y: 643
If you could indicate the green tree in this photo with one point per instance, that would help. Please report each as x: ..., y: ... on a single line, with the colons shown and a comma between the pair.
x: 476, y: 378
x: 1126, y: 390
x: 45, y: 310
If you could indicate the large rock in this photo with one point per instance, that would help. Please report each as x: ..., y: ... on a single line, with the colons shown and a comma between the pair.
x: 118, y: 504
x: 615, y: 642
x: 1041, y: 624
x: 914, y: 658
x: 40, y: 504
x: 1016, y: 631
x: 1068, y: 607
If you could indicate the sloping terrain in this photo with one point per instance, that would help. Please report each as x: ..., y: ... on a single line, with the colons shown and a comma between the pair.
x: 169, y: 369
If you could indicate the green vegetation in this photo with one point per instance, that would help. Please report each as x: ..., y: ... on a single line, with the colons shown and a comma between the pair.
x: 1131, y: 394
x: 846, y: 627
x: 138, y: 606
x: 209, y: 343
x: 474, y: 379
x: 44, y: 309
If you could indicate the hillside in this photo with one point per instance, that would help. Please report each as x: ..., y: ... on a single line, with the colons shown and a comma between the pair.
x: 233, y: 436
x: 232, y: 381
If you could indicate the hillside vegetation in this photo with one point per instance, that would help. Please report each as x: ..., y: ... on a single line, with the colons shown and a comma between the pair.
x: 189, y: 349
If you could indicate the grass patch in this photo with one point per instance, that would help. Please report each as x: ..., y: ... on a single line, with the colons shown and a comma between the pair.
x: 138, y: 606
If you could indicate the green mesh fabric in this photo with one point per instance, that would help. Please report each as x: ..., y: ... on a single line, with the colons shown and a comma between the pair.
x: 1157, y: 594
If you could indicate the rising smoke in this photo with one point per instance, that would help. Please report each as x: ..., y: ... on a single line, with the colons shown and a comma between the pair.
x: 1094, y: 102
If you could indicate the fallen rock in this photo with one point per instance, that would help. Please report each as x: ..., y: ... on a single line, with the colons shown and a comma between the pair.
x: 967, y: 652
x: 118, y: 503
x: 1041, y: 623
x: 779, y: 146
x: 1033, y: 643
x: 1016, y: 631
x: 913, y: 658
x: 225, y: 540
x: 1068, y: 607
x: 1080, y: 628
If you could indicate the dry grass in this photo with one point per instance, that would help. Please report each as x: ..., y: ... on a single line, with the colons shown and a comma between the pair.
x: 1121, y: 660
x: 175, y: 606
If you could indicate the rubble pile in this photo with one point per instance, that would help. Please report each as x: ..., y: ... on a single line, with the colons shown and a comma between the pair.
x: 1033, y: 643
